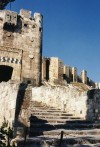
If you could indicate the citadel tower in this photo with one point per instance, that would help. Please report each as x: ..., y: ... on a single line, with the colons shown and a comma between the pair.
x: 20, y: 46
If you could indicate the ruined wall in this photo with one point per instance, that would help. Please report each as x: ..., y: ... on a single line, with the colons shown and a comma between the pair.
x: 8, y: 96
x: 21, y: 44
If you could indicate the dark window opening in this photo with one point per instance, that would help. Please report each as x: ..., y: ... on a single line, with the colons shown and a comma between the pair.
x: 9, y: 27
x: 5, y: 73
x: 47, y: 69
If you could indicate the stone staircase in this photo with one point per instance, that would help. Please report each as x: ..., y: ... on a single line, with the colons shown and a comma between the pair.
x: 47, y: 123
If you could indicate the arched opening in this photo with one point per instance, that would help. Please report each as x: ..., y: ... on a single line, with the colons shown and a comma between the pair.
x: 5, y: 73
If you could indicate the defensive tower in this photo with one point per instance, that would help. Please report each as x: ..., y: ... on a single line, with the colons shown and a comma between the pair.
x: 20, y: 46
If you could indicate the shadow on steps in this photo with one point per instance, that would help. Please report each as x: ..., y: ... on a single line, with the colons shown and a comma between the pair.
x: 38, y: 126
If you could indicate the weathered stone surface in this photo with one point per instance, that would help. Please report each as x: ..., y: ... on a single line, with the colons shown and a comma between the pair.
x: 8, y: 95
x: 84, y: 76
x: 21, y: 44
x: 69, y: 99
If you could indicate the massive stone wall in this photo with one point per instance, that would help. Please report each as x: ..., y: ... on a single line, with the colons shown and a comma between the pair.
x: 21, y: 44
x: 8, y: 96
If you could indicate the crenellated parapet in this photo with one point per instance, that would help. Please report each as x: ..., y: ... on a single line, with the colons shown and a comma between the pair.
x: 54, y: 70
x: 84, y: 76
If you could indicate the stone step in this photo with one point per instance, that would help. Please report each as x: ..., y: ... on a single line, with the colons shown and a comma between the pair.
x: 46, y: 124
x: 52, y: 133
x: 68, y: 141
x: 51, y: 120
x: 72, y: 132
x: 45, y: 107
x: 56, y: 117
x: 46, y: 110
x: 52, y: 130
x: 65, y: 126
x: 53, y: 114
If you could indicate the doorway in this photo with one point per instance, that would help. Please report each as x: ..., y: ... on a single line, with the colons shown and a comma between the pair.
x: 5, y: 73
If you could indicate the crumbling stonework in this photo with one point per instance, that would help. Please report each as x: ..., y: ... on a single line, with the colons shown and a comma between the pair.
x: 21, y: 46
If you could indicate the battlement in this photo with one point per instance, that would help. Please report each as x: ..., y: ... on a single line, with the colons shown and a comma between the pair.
x: 53, y: 70
x: 25, y: 13
x: 25, y: 16
x: 21, y: 40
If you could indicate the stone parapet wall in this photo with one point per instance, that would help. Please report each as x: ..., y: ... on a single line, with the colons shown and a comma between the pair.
x: 81, y: 101
x: 69, y: 99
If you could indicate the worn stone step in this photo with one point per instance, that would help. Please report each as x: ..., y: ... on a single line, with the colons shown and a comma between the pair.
x: 46, y: 110
x: 52, y: 130
x: 65, y: 126
x: 46, y: 107
x: 73, y: 132
x: 53, y: 114
x: 51, y: 120
x: 56, y: 117
x: 38, y: 142
x: 71, y: 140
x: 55, y: 132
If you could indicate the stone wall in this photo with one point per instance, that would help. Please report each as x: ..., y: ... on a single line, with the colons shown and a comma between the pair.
x: 84, y: 76
x: 8, y: 96
x: 80, y: 101
x: 54, y: 71
x: 23, y: 109
x: 94, y: 103
x: 69, y: 98
x: 74, y: 73
x: 15, y: 107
